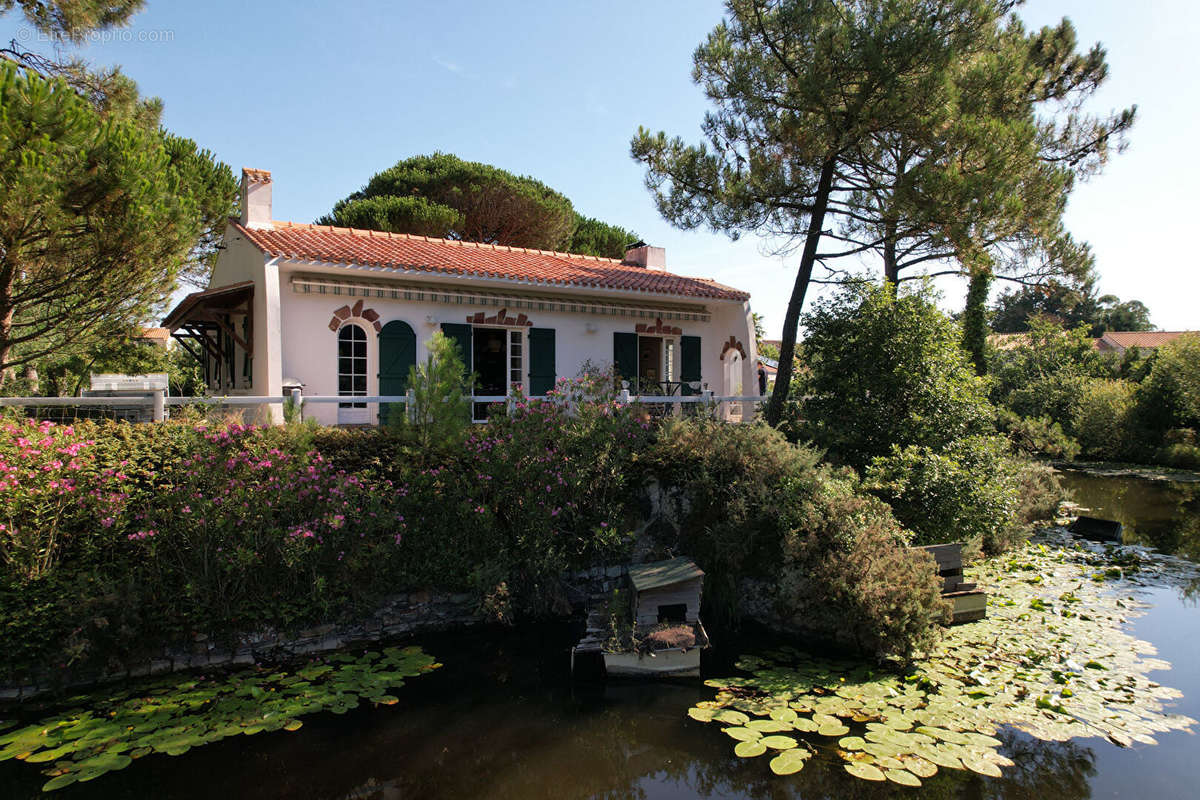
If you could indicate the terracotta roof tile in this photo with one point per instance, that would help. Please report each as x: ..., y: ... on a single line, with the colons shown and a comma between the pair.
x: 1126, y: 339
x: 325, y: 243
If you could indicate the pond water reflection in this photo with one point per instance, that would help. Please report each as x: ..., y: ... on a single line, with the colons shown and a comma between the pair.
x: 1160, y: 514
x: 502, y: 721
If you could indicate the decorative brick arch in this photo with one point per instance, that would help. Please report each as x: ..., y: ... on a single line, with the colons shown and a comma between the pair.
x: 733, y: 344
x: 658, y: 328
x: 500, y: 318
x: 346, y: 312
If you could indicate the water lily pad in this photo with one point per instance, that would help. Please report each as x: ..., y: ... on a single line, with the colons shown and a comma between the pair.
x: 742, y: 734
x: 902, y: 777
x: 919, y: 766
x: 867, y: 772
x: 749, y: 749
x: 701, y: 714
x: 833, y: 730
x: 731, y: 717
x: 981, y: 766
x: 779, y: 742
x: 851, y: 743
x: 789, y: 762
x: 59, y: 781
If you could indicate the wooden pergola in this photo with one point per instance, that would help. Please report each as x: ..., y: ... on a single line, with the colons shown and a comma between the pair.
x: 203, y: 325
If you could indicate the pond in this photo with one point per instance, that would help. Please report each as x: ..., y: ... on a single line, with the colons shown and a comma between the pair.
x: 501, y: 719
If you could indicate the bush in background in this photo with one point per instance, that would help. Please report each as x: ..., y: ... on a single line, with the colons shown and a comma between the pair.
x: 1036, y: 436
x: 1103, y: 419
x: 964, y: 492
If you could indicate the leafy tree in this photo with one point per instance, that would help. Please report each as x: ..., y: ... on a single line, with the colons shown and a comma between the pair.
x: 595, y: 238
x: 1117, y: 315
x: 902, y: 127
x: 74, y: 19
x: 1169, y: 397
x: 445, y: 197
x: 1044, y: 374
x: 887, y: 371
x: 1070, y: 304
x: 98, y: 219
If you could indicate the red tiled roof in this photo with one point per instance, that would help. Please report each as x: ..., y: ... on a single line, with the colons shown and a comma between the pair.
x: 155, y: 334
x: 1127, y: 339
x: 302, y: 242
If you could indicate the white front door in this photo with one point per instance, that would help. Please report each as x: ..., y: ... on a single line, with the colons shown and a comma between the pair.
x: 352, y: 374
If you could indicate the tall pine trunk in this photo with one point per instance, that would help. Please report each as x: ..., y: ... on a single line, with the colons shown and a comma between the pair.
x: 791, y: 320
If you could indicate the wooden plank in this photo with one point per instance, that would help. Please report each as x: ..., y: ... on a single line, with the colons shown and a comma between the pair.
x: 968, y: 606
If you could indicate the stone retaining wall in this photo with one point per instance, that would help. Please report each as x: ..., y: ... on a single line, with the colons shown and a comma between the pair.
x: 399, y: 615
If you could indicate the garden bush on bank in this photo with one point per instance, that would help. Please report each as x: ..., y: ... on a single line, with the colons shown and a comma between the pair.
x: 1060, y: 398
x: 183, y: 528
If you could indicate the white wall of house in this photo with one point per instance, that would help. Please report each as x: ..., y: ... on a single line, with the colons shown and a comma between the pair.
x: 308, y: 345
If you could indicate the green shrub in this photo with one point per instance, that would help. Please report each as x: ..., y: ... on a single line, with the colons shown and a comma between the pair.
x: 1044, y: 373
x: 1103, y: 419
x: 737, y: 492
x: 1180, y: 450
x: 886, y: 371
x: 963, y: 493
x: 1036, y: 436
x: 848, y: 570
x: 1169, y: 397
x: 751, y: 505
x: 1039, y: 493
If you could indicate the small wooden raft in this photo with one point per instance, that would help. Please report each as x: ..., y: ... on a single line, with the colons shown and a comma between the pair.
x: 1096, y: 529
x: 969, y: 603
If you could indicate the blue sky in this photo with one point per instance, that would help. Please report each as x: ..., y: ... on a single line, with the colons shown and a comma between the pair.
x: 326, y: 94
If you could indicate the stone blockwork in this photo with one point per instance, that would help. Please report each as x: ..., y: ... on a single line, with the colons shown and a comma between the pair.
x: 401, y: 614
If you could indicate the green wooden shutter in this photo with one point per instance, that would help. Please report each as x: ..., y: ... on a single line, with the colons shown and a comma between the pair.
x: 541, y: 361
x: 397, y: 355
x: 625, y: 356
x: 460, y: 334
x: 689, y: 363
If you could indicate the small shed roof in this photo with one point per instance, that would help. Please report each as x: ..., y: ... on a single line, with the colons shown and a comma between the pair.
x: 664, y: 573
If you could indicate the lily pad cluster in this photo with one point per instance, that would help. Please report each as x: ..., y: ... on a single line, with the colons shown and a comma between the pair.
x: 105, y: 732
x: 1051, y: 659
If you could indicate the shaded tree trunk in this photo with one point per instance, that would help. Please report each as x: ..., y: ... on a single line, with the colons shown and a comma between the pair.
x: 791, y: 320
x: 891, y: 270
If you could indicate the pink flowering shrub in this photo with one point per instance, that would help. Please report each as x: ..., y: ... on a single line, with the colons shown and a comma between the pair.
x: 258, y: 534
x: 53, y: 494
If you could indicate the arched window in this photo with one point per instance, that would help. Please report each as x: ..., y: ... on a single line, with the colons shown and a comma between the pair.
x: 352, y: 371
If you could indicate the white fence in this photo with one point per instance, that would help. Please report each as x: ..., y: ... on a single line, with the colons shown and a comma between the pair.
x: 157, y: 402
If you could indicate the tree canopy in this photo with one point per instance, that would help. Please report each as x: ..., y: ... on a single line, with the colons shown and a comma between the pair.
x: 910, y: 384
x: 442, y: 195
x: 912, y: 130
x: 74, y: 19
x: 100, y: 216
x: 1070, y: 306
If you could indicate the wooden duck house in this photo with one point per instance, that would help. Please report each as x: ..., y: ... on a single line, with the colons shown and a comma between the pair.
x: 968, y: 602
x: 658, y: 634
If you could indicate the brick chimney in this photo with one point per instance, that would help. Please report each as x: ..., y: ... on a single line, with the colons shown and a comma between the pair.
x: 256, y: 198
x: 640, y: 254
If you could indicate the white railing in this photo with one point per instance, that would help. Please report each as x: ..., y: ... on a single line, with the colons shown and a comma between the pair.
x: 157, y: 402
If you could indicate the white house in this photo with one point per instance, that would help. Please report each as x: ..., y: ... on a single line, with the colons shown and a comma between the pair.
x: 347, y: 312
